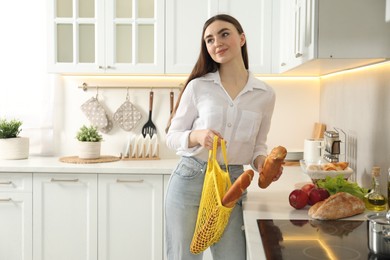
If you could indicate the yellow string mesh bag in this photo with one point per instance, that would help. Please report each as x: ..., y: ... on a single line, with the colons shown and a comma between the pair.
x: 212, y: 215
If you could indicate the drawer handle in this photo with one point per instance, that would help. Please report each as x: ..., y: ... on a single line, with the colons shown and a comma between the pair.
x: 64, y: 180
x: 6, y: 182
x: 298, y: 55
x: 5, y: 200
x: 129, y: 181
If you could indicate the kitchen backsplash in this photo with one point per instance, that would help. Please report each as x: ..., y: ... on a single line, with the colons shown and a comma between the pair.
x: 359, y: 103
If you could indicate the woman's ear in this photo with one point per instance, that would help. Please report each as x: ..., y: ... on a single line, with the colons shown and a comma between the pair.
x: 243, y: 39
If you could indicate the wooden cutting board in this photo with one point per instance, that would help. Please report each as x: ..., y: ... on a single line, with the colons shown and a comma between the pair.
x: 318, y: 131
x: 291, y: 163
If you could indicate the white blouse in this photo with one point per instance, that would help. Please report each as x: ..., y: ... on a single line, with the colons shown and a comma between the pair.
x: 243, y: 122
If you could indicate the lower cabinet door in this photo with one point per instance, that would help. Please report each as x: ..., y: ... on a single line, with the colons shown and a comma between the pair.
x: 16, y: 226
x: 130, y: 217
x: 65, y: 216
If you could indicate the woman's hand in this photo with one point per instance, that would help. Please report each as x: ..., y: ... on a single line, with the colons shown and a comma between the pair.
x: 259, y: 163
x: 204, y: 137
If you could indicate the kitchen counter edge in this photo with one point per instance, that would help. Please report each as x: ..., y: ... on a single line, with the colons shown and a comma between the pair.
x: 53, y: 165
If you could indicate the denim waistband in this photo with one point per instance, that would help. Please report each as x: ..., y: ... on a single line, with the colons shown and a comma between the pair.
x: 203, y: 164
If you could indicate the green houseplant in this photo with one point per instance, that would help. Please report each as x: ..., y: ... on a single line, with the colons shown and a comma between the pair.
x: 89, y: 134
x: 10, y: 128
x: 89, y: 142
x: 12, y: 146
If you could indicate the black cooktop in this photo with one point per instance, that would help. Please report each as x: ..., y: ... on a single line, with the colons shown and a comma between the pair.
x: 315, y: 239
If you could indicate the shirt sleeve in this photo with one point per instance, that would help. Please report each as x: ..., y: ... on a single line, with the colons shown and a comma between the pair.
x: 261, y: 139
x: 182, y: 122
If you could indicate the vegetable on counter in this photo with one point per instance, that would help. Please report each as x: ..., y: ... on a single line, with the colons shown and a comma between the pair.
x: 338, y: 184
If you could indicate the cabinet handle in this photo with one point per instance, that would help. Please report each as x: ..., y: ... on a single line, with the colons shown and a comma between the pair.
x: 6, y: 183
x: 109, y: 67
x: 101, y: 68
x: 283, y: 64
x: 64, y: 180
x: 5, y: 200
x: 297, y: 55
x: 130, y: 181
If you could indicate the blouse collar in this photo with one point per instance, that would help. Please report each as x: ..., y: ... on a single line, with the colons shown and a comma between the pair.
x: 253, y: 83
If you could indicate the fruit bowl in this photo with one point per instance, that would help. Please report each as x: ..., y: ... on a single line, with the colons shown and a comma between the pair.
x: 316, y: 171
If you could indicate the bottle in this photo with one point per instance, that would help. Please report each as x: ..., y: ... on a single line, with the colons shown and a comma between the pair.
x: 388, y: 190
x: 374, y: 200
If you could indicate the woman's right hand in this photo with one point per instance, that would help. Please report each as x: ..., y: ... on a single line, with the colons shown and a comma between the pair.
x: 203, y: 137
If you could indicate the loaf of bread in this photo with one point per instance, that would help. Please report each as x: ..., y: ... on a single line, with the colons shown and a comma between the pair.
x: 339, y: 205
x: 271, y: 166
x: 238, y: 187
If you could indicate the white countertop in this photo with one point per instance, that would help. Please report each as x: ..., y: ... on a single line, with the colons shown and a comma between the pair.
x: 53, y: 165
x: 273, y: 203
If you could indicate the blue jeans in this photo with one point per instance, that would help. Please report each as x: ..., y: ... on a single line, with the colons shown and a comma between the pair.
x: 181, y: 211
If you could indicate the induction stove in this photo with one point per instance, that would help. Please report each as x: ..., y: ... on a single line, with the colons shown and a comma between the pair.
x: 315, y: 239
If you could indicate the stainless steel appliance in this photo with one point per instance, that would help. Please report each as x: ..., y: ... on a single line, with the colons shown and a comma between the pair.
x: 332, y: 146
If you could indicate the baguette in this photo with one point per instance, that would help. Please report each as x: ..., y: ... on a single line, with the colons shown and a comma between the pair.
x: 271, y: 166
x: 238, y: 187
x: 339, y: 205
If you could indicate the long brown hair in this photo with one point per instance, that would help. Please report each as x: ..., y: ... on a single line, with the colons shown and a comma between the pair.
x: 205, y: 63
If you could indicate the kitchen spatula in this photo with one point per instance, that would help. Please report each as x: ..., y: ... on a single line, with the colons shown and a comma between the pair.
x: 149, y: 128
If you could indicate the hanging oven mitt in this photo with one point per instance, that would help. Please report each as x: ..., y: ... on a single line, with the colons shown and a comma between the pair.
x: 127, y: 116
x: 107, y: 128
x: 95, y: 113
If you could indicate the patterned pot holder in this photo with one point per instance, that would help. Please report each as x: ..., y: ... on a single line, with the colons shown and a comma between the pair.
x: 127, y: 116
x: 96, y: 114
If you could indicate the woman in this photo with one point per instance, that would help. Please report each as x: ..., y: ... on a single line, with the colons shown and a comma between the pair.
x: 222, y: 98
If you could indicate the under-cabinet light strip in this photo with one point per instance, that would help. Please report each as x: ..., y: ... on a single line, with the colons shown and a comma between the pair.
x: 367, y: 67
x: 177, y: 82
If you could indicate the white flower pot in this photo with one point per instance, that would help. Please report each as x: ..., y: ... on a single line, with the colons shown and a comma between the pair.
x: 14, y: 148
x: 89, y: 150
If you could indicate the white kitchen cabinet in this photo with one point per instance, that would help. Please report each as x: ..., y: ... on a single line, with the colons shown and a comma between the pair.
x: 16, y: 216
x: 184, y: 29
x: 106, y: 36
x: 320, y: 37
x: 65, y: 216
x: 130, y: 217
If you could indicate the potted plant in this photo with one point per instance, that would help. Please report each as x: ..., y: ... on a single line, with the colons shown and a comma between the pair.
x: 89, y: 142
x: 12, y: 146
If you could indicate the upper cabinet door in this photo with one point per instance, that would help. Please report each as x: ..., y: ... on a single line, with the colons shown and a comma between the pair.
x: 134, y: 36
x: 184, y: 24
x: 255, y: 16
x: 106, y: 36
x: 184, y: 31
x: 75, y: 33
x: 321, y: 37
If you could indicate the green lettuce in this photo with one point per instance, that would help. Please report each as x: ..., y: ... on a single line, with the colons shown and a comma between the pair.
x: 338, y: 184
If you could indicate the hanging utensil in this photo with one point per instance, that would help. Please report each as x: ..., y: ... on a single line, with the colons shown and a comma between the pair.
x: 149, y: 128
x: 171, y: 96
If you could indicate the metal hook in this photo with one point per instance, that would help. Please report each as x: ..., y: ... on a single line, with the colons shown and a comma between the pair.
x: 97, y: 92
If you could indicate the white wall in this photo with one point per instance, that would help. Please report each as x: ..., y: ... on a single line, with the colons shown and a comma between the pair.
x: 359, y: 103
x: 296, y: 110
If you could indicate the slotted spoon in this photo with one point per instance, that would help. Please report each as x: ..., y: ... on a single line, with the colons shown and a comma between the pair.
x: 149, y: 128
